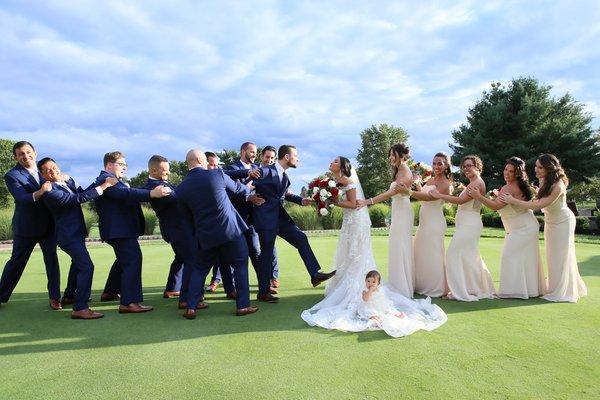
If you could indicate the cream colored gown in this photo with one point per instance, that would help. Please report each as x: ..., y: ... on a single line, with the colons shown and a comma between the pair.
x: 401, y: 266
x: 564, y: 282
x: 521, y: 273
x: 468, y: 277
x: 428, y: 245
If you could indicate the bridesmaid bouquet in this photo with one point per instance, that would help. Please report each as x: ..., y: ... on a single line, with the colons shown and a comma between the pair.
x: 421, y: 169
x: 324, y: 192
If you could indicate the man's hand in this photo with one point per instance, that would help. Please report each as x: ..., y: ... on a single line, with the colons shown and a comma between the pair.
x: 110, y: 181
x: 307, y: 201
x: 65, y: 177
x: 46, y: 187
x: 160, y: 191
x: 254, y: 173
x: 256, y: 199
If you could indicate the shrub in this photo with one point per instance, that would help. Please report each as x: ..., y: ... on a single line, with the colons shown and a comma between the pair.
x: 450, y: 210
x: 450, y: 220
x: 6, y: 224
x: 378, y: 213
x: 305, y: 217
x: 540, y: 219
x: 491, y: 219
x: 150, y: 220
x: 334, y: 219
x: 582, y: 225
x: 416, y: 206
x: 90, y: 218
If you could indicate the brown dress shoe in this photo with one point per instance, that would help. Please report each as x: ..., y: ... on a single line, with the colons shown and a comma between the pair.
x: 134, y: 308
x: 201, y: 305
x: 267, y: 298
x: 86, y: 314
x: 321, y: 277
x: 245, y: 311
x: 275, y: 283
x: 212, y: 287
x: 65, y: 301
x: 55, y: 304
x: 272, y: 290
x: 170, y: 295
x: 231, y: 295
x: 189, y: 314
x: 109, y: 297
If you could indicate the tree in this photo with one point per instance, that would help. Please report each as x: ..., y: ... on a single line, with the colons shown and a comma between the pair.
x: 374, y: 169
x: 7, y: 161
x: 228, y: 156
x: 522, y: 120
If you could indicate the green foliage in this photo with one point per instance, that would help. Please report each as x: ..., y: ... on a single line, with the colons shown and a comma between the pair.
x: 585, y: 191
x: 305, y: 217
x: 7, y: 161
x: 150, y: 219
x: 374, y: 170
x: 90, y: 218
x: 540, y: 219
x: 582, y: 225
x: 416, y: 206
x: 228, y: 156
x: 450, y: 220
x: 522, y: 120
x: 334, y: 219
x: 450, y: 209
x: 139, y: 180
x: 378, y: 214
x: 6, y: 224
x: 491, y: 219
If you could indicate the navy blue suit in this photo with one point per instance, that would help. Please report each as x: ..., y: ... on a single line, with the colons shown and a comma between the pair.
x: 271, y: 220
x: 176, y: 230
x: 121, y: 222
x: 238, y: 171
x: 31, y: 224
x: 218, y: 229
x: 71, y: 232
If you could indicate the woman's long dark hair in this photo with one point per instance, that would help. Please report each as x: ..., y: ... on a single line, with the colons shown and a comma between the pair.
x: 345, y: 166
x: 554, y: 173
x: 401, y: 151
x: 448, y: 170
x: 521, y: 175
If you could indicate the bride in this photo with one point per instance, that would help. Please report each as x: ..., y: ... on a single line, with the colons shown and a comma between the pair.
x: 340, y: 309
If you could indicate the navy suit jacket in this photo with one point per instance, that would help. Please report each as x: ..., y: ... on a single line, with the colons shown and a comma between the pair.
x: 119, y: 212
x: 267, y: 216
x: 31, y: 218
x: 174, y: 226
x: 237, y: 171
x: 66, y: 210
x: 204, y: 198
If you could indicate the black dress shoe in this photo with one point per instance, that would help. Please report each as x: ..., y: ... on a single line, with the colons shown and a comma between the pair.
x: 320, y: 277
x: 267, y: 298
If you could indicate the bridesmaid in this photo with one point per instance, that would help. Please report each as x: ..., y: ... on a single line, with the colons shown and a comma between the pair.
x: 467, y: 276
x: 521, y: 273
x: 400, y: 253
x: 428, y: 244
x: 564, y: 282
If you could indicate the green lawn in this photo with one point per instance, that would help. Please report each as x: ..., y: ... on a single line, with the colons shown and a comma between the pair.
x: 505, y: 349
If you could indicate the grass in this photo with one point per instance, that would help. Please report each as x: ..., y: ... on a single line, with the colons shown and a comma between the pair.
x: 500, y: 349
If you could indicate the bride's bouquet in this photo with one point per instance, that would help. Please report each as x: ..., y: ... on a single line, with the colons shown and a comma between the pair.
x: 324, y: 192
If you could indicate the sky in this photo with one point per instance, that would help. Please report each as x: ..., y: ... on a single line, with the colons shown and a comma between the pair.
x: 81, y: 78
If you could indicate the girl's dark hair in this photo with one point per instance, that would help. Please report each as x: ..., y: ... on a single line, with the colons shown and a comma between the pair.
x: 345, y: 166
x: 448, y: 170
x: 401, y: 151
x: 373, y: 274
x: 521, y: 175
x: 554, y: 173
x: 476, y: 160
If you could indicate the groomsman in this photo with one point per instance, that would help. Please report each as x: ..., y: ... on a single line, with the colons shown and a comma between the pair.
x: 268, y: 157
x: 31, y: 224
x: 219, y: 230
x: 64, y: 199
x: 173, y: 227
x: 121, y: 223
x: 242, y: 171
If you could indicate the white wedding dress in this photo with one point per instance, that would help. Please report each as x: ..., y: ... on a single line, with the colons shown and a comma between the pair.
x: 343, y: 307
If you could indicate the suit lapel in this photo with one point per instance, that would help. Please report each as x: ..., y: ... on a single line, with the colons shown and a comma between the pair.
x: 30, y: 177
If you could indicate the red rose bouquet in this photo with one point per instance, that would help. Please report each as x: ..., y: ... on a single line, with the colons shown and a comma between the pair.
x: 323, y: 192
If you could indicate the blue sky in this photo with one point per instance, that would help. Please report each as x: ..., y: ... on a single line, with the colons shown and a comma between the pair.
x: 80, y: 78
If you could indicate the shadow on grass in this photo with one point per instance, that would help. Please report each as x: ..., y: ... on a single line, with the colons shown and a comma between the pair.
x: 590, y: 267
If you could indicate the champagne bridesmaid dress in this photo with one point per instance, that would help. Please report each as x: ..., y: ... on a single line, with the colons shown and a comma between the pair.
x: 428, y: 245
x: 521, y: 273
x: 564, y: 282
x: 401, y: 273
x: 468, y: 277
